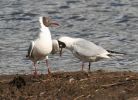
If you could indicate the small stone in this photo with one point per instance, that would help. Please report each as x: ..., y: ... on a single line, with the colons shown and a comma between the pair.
x: 71, y: 80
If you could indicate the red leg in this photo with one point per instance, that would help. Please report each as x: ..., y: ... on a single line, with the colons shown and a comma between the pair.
x: 35, y: 71
x: 82, y: 66
x: 47, y: 66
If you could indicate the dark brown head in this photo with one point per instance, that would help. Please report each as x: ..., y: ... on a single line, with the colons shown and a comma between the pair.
x: 48, y: 22
x: 61, y: 46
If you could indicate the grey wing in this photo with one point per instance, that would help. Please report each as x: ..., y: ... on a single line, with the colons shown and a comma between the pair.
x: 87, y: 48
x: 30, y: 49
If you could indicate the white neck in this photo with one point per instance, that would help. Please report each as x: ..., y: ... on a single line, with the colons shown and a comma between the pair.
x: 45, y: 33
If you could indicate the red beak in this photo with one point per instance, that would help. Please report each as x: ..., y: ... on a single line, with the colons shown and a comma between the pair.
x: 54, y: 24
x: 61, y: 52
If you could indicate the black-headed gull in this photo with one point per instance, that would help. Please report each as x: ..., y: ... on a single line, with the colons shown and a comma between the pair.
x: 84, y: 50
x: 42, y: 46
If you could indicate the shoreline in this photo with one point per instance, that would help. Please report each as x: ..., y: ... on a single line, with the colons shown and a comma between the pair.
x: 95, y: 85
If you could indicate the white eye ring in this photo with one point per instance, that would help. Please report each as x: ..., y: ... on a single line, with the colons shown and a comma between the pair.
x: 60, y: 45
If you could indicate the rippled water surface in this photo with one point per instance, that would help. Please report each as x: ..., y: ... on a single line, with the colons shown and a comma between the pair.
x: 113, y: 24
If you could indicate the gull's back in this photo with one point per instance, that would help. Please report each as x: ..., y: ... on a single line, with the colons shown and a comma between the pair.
x: 86, y: 50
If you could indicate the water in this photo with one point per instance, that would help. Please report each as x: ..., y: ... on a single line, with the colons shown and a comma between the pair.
x: 113, y: 24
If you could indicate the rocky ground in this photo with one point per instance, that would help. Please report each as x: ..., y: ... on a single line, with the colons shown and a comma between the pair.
x: 98, y: 85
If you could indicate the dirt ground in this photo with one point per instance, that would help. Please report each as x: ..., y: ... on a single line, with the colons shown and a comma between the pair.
x: 98, y: 85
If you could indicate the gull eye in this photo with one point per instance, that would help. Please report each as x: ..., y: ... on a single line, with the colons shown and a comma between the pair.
x: 60, y: 45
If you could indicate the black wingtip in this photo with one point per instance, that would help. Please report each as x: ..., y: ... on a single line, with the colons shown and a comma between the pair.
x: 115, y: 52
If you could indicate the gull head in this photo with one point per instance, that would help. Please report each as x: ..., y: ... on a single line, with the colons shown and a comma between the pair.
x: 47, y: 22
x: 65, y: 42
x: 68, y: 41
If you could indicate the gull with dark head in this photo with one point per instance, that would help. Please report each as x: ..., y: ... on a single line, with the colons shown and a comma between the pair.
x: 82, y: 49
x: 42, y: 46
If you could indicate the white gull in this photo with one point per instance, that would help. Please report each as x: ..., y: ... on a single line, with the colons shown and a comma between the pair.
x: 83, y: 49
x: 42, y: 46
